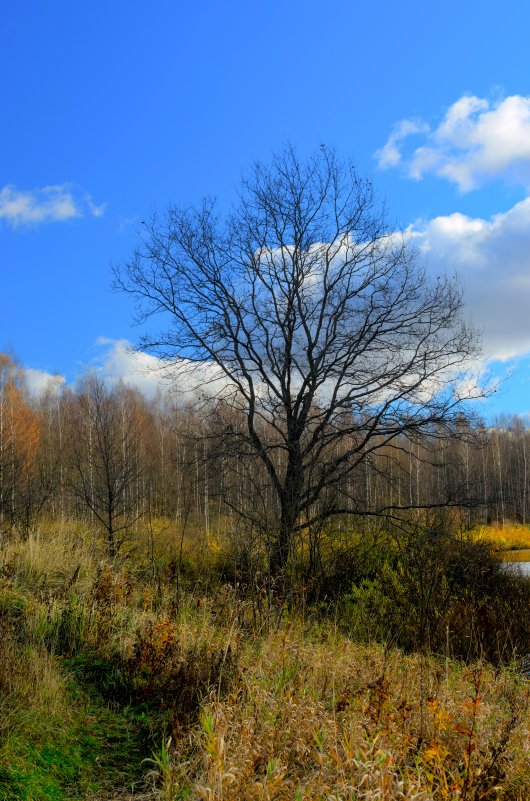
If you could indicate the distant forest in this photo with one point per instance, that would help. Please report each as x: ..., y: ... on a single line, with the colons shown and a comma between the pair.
x: 108, y: 456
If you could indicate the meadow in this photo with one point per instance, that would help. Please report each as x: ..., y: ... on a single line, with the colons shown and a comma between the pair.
x: 169, y: 674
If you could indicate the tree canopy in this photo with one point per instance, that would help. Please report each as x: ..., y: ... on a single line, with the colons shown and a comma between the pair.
x: 314, y: 322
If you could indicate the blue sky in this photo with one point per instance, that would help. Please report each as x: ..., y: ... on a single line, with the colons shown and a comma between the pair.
x: 112, y: 110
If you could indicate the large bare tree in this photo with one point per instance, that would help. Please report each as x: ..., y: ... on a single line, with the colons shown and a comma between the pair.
x: 317, y: 322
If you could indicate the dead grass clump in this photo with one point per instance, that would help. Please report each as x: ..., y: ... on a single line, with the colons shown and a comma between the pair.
x: 52, y: 560
x: 327, y: 719
x: 170, y: 670
x: 30, y: 685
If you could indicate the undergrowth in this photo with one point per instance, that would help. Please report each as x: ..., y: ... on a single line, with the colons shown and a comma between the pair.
x: 115, y: 677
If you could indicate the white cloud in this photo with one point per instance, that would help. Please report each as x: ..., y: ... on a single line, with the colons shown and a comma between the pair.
x: 390, y: 154
x: 476, y: 141
x: 49, y: 204
x: 492, y: 259
x: 151, y: 374
x: 490, y: 256
x: 120, y: 362
x: 95, y: 210
x: 39, y: 381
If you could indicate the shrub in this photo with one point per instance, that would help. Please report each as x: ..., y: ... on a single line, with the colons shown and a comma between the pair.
x: 442, y: 592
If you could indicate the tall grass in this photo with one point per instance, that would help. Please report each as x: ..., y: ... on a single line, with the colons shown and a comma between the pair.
x: 319, y: 717
x: 246, y: 697
x: 511, y: 536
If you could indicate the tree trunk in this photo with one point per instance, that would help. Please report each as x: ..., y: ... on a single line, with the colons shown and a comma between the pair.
x: 289, y: 515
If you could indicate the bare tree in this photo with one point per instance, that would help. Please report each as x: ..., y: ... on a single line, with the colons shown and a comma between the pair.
x: 105, y: 459
x: 318, y: 324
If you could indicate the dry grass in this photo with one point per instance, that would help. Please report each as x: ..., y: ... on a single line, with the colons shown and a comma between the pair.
x: 52, y: 559
x: 290, y: 710
x: 322, y: 718
x: 22, y: 672
x: 511, y: 536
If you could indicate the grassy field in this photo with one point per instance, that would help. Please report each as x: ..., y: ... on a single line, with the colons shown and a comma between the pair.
x: 510, y: 537
x: 116, y: 684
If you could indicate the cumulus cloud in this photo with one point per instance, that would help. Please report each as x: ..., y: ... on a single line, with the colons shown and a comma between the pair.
x: 476, y: 141
x: 490, y: 256
x: 390, y: 154
x: 120, y: 362
x: 39, y: 381
x: 19, y: 207
x: 492, y: 259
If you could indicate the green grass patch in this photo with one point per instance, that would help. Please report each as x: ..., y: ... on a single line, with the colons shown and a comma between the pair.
x: 84, y: 746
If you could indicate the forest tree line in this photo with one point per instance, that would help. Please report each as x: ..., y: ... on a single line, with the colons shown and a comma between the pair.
x: 111, y: 458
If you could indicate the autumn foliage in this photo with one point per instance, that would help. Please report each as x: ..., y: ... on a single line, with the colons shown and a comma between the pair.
x: 20, y: 435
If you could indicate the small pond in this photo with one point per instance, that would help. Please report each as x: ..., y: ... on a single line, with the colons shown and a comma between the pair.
x: 517, y: 561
